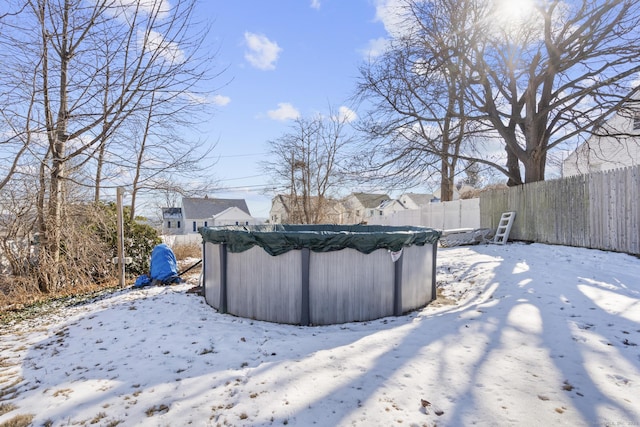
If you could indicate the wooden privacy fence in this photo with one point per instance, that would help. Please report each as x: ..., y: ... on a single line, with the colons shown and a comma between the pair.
x: 599, y: 210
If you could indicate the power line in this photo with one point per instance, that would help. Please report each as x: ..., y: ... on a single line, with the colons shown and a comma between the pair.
x: 242, y: 177
x: 242, y: 155
x: 241, y: 187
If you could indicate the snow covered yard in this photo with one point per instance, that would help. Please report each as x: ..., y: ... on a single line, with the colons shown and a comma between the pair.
x: 522, y: 335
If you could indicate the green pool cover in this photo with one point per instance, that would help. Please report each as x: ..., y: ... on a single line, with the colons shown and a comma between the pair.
x: 277, y: 239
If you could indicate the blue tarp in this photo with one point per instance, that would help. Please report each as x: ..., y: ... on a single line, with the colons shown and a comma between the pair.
x: 164, y: 266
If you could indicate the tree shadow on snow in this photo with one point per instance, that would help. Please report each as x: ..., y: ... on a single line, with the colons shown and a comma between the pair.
x: 538, y: 345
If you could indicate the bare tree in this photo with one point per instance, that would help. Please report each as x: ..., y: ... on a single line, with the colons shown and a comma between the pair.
x: 307, y: 161
x: 17, y: 101
x: 535, y: 82
x: 419, y: 121
x: 149, y: 153
x: 95, y: 66
x: 548, y: 80
x: 17, y: 225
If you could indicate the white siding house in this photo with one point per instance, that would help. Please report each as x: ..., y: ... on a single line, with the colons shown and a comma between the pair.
x: 233, y: 216
x: 201, y: 212
x: 172, y: 221
x: 359, y: 207
x: 283, y: 211
x: 279, y: 212
x: 415, y: 200
x: 388, y: 207
x: 608, y: 151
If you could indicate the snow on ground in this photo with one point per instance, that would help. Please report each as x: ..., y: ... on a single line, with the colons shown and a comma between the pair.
x: 527, y: 335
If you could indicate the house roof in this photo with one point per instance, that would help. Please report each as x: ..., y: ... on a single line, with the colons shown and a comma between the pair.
x: 233, y: 210
x: 419, y: 199
x: 371, y: 200
x: 386, y: 203
x: 196, y: 207
x: 171, y: 212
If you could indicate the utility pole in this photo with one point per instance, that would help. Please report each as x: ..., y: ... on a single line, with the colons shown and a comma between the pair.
x: 120, y: 263
x: 292, y: 202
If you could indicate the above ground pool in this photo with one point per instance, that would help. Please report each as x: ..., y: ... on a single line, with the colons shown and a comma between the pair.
x: 318, y: 274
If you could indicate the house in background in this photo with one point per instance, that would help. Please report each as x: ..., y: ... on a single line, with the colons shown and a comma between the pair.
x: 279, y: 212
x: 617, y: 145
x: 361, y: 206
x: 172, y: 222
x: 284, y: 211
x: 388, y: 207
x: 233, y: 216
x: 202, y: 212
x: 458, y: 192
x: 415, y: 200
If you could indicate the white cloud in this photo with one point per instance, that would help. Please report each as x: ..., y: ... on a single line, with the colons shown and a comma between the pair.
x: 262, y: 53
x: 285, y: 111
x: 221, y: 100
x: 127, y: 9
x: 155, y: 41
x: 375, y: 48
x: 346, y: 115
x: 315, y: 4
x: 161, y: 7
x: 390, y: 13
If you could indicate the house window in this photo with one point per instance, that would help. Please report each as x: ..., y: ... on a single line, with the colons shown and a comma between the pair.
x: 178, y: 226
x: 195, y: 227
x: 246, y: 223
x: 168, y: 224
x: 636, y: 120
x: 206, y: 223
x: 237, y: 223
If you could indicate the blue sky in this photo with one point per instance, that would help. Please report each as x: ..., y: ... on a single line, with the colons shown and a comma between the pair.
x: 283, y: 58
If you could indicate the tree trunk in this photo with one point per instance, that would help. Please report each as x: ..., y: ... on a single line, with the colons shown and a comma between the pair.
x: 513, y: 166
x: 535, y: 166
x: 57, y: 140
x: 43, y: 279
x: 99, y: 166
x: 446, y: 181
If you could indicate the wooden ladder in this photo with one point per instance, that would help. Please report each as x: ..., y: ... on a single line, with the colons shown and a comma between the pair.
x: 504, y: 228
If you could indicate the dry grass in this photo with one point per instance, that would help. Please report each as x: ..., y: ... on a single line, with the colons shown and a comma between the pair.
x: 19, y: 292
x: 18, y: 302
x: 188, y: 255
x: 187, y: 250
x: 9, y: 391
x: 18, y: 421
x: 7, y: 407
x: 159, y: 409
x: 98, y: 418
x: 20, y: 295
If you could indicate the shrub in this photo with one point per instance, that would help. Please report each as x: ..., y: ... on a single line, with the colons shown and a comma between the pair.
x: 139, y: 238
